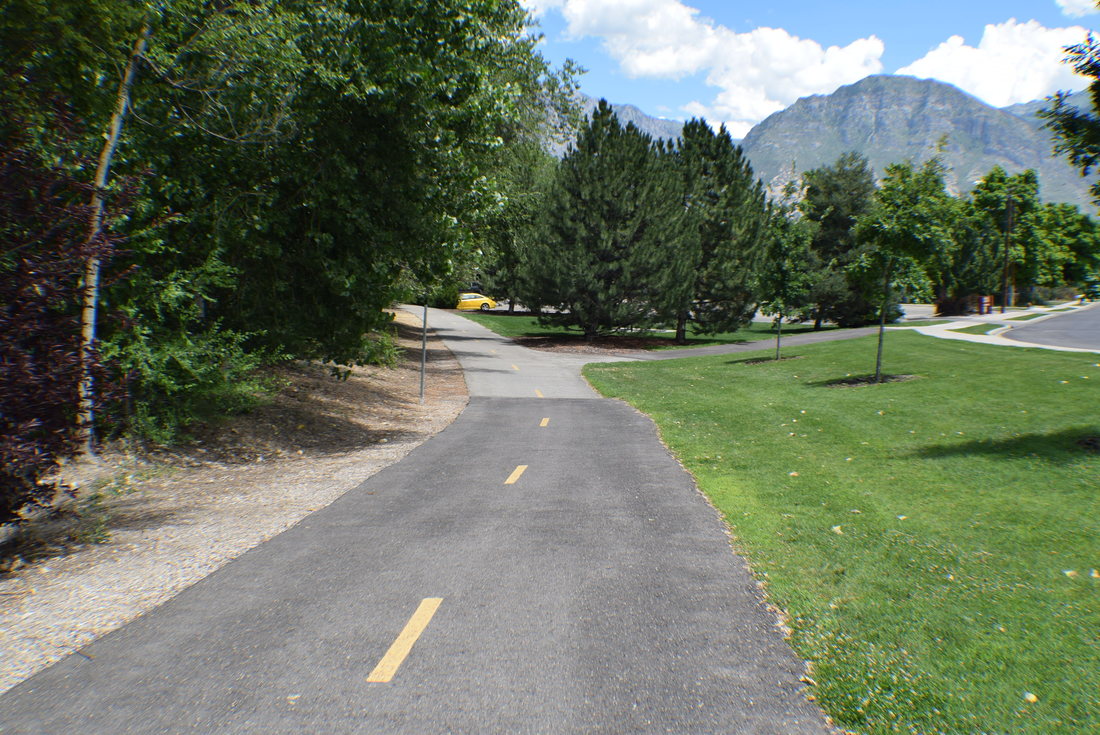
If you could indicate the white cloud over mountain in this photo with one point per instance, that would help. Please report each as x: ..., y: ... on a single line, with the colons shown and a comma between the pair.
x: 1013, y: 62
x: 756, y: 73
x: 761, y: 71
x: 1077, y: 8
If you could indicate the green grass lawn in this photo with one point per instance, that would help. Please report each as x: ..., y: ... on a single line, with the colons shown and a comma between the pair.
x: 977, y: 328
x: 528, y: 326
x: 933, y: 540
x: 1025, y: 317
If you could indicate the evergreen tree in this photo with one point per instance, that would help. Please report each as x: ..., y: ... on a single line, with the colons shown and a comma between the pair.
x: 834, y: 197
x: 728, y: 217
x: 603, y: 261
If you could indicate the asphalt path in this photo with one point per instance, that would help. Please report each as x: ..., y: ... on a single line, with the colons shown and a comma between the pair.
x: 541, y: 566
x: 1080, y: 329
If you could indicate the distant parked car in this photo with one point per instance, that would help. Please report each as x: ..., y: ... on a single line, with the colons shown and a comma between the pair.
x: 470, y: 301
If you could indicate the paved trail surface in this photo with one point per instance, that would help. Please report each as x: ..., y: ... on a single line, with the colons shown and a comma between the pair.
x: 593, y: 593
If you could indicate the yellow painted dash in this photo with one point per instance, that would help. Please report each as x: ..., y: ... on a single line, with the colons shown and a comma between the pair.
x: 515, y: 474
x: 394, y: 657
x: 544, y: 422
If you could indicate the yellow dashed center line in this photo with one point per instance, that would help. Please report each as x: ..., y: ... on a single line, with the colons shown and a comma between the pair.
x: 394, y: 657
x: 515, y: 474
x: 544, y: 422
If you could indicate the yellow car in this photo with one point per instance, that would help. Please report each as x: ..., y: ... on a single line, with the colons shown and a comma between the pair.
x: 475, y: 301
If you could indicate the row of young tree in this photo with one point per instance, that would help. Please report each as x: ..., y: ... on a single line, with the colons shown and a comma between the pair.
x: 191, y: 189
x: 626, y: 232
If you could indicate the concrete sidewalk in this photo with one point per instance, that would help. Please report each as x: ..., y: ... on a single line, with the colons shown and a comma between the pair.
x: 999, y: 324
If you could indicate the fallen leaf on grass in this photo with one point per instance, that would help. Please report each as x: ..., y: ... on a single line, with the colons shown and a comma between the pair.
x: 1029, y: 697
x: 836, y: 530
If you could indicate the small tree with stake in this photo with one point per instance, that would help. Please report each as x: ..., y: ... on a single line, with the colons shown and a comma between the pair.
x: 909, y: 220
x: 786, y: 274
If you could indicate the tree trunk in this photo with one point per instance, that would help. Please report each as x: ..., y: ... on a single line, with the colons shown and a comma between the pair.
x: 778, y: 333
x: 882, y: 317
x: 86, y: 408
x: 681, y: 329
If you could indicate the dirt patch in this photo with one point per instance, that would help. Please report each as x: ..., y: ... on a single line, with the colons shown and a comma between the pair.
x: 169, y: 518
x: 861, y: 380
x: 765, y: 360
x: 1090, y: 444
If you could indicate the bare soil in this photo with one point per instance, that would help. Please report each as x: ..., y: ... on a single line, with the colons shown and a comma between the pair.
x: 145, y: 525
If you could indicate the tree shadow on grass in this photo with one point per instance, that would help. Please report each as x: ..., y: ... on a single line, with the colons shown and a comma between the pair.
x: 763, y: 360
x: 856, y: 381
x: 1068, y: 445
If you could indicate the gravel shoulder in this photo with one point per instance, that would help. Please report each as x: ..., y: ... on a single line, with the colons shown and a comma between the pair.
x: 168, y: 519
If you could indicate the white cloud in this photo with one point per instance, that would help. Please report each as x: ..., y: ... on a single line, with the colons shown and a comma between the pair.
x: 1077, y: 8
x: 756, y: 73
x: 1014, y: 62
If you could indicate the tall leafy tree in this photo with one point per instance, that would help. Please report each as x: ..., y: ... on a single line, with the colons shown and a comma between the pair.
x: 306, y: 159
x: 966, y: 265
x: 43, y: 249
x: 1075, y: 237
x: 727, y: 214
x: 1078, y: 131
x: 603, y: 262
x: 1011, y: 204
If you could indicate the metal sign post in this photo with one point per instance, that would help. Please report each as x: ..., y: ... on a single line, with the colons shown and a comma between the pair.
x: 424, y: 347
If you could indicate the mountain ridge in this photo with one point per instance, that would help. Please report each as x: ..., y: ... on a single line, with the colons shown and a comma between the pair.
x: 893, y: 118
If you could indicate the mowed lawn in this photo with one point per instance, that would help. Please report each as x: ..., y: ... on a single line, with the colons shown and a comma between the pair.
x: 524, y: 325
x: 935, y: 541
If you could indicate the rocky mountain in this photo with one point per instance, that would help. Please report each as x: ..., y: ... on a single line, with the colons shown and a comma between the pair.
x: 896, y: 118
x: 1030, y: 110
x: 656, y: 127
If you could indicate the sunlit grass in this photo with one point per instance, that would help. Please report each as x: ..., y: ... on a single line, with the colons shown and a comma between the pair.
x: 977, y: 328
x: 934, y: 540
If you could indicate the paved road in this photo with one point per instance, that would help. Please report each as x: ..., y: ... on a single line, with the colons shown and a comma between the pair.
x: 596, y: 593
x: 1079, y: 329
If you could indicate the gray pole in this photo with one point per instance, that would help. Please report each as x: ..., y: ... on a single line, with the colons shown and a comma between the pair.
x: 424, y: 347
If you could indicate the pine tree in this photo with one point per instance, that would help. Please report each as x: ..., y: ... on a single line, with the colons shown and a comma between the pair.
x: 604, y: 262
x: 728, y: 214
x: 834, y: 197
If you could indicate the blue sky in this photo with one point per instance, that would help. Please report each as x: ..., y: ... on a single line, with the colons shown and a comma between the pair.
x: 737, y: 62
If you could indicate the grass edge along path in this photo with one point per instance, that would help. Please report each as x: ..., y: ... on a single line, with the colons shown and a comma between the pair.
x: 934, y: 541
